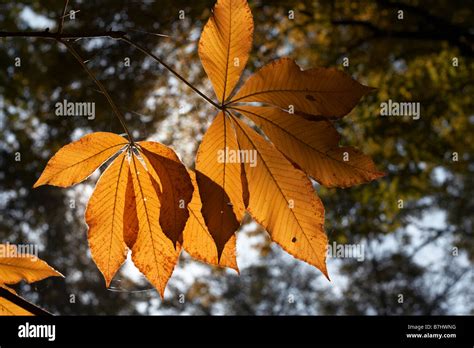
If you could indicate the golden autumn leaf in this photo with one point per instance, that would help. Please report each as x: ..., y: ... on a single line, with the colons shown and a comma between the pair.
x: 313, y: 146
x: 27, y: 267
x: 106, y: 216
x: 76, y: 161
x: 273, y: 185
x: 139, y: 203
x: 318, y: 92
x: 219, y: 181
x: 146, y: 201
x: 225, y: 45
x: 176, y: 186
x: 295, y: 217
x: 153, y: 252
x: 198, y: 241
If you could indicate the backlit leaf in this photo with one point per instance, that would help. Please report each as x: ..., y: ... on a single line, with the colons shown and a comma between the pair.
x: 153, y: 252
x: 106, y: 216
x: 219, y: 181
x: 282, y: 199
x: 74, y: 162
x: 197, y: 240
x: 314, y: 146
x: 318, y: 91
x: 225, y: 45
x: 176, y: 187
x: 24, y: 267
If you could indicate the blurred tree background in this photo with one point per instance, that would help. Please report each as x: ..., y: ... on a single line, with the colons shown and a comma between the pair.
x: 418, y: 257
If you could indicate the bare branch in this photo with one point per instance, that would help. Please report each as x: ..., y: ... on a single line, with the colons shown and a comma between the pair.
x: 59, y: 36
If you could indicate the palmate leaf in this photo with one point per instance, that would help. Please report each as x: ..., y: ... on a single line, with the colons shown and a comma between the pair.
x: 276, y: 194
x: 139, y: 203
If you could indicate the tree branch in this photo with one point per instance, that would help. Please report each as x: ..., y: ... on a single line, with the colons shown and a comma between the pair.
x: 20, y: 302
x: 62, y: 37
x: 46, y: 34
x: 450, y: 32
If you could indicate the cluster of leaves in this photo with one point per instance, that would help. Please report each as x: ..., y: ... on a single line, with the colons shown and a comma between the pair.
x: 15, y: 268
x: 148, y: 202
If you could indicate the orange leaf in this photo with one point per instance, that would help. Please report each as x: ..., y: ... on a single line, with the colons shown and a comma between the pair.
x: 225, y: 45
x: 313, y: 146
x: 219, y: 181
x: 74, y: 162
x: 153, y: 252
x: 318, y: 91
x: 23, y: 267
x: 106, y: 216
x: 197, y: 240
x: 176, y: 187
x: 283, y: 200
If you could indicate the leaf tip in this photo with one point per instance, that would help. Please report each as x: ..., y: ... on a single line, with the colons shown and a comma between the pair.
x: 369, y: 89
x: 220, y: 250
x: 161, y: 291
x: 325, y: 272
x: 38, y: 183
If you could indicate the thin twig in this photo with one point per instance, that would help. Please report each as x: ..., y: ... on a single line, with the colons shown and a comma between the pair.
x: 101, y: 87
x: 20, y: 302
x: 61, y: 37
x: 170, y: 69
x: 45, y: 34
x: 61, y: 19
x: 150, y: 33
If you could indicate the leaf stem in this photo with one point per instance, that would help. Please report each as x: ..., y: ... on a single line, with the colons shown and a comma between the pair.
x: 170, y: 69
x: 121, y: 35
x: 61, y: 19
x: 101, y: 87
x: 46, y: 34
